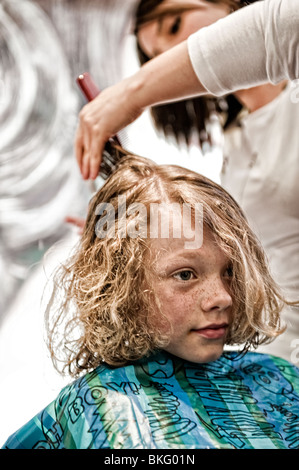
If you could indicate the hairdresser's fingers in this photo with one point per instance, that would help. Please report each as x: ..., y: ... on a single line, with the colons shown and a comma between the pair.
x: 92, y: 154
x: 87, y: 139
x: 99, y: 120
x: 79, y: 148
x: 83, y: 140
x: 93, y: 141
x: 85, y: 165
x: 96, y: 153
x: 77, y: 221
x: 82, y: 145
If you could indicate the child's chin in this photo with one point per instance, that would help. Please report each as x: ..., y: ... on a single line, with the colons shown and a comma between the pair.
x: 204, y: 358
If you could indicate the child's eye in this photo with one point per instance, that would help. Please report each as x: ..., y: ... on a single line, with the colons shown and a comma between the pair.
x: 184, y: 275
x: 175, y: 25
x: 228, y: 274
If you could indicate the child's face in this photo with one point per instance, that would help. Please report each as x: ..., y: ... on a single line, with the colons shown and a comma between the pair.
x: 192, y: 286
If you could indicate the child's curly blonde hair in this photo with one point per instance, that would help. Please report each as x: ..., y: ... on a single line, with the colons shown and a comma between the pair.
x: 104, y: 313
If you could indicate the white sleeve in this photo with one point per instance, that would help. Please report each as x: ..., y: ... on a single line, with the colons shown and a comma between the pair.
x: 256, y: 44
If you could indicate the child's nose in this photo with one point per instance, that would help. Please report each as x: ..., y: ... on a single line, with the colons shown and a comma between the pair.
x: 216, y: 296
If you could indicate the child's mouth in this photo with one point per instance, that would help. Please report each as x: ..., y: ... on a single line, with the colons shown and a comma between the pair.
x: 213, y: 331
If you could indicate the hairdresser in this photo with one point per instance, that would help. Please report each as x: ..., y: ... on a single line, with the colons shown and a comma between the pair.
x: 239, y: 51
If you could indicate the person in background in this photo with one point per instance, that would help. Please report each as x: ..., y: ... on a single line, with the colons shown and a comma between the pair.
x: 238, y: 50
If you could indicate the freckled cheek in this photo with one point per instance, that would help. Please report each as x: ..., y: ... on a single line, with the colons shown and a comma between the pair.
x: 179, y: 309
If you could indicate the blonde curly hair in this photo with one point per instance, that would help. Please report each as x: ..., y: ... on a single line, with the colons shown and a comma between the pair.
x: 105, y: 312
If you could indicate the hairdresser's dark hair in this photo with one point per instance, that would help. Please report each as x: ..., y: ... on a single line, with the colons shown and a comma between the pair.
x: 180, y: 119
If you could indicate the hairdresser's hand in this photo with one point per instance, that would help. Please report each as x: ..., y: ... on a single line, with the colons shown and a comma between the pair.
x: 77, y: 221
x: 168, y: 77
x: 112, y: 110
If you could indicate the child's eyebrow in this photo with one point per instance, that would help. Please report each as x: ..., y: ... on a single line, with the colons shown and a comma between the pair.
x: 190, y: 254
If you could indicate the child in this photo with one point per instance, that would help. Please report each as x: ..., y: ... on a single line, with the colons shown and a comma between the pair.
x: 167, y: 273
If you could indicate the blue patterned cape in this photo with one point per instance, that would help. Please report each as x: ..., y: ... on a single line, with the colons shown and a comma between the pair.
x: 163, y: 402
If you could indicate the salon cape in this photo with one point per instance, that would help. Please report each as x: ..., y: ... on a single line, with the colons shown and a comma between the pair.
x: 249, y: 402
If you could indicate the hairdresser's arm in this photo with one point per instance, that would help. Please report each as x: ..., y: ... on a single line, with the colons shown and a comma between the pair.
x: 258, y: 43
x: 166, y: 78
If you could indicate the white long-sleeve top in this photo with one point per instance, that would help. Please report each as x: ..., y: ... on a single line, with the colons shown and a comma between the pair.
x: 226, y: 60
x: 261, y: 154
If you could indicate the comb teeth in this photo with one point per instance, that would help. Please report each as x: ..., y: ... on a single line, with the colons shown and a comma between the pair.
x: 110, y: 159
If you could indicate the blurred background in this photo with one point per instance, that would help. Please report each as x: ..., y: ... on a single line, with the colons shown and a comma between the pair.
x: 44, y: 46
